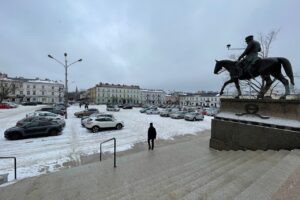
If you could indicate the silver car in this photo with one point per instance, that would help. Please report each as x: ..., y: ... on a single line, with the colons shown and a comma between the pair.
x: 194, y: 116
x: 178, y: 115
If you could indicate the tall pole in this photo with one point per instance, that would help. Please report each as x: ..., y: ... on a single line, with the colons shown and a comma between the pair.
x: 66, y: 85
x: 66, y: 78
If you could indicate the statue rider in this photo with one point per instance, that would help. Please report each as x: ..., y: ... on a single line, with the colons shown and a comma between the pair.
x: 250, y: 54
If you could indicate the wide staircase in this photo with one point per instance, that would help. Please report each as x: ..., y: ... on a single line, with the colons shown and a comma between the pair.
x: 187, y: 169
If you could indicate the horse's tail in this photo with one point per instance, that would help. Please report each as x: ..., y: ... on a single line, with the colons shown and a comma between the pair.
x: 287, y: 68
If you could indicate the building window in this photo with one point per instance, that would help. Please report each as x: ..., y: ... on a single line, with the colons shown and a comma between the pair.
x: 52, y: 93
x: 43, y: 87
x: 43, y: 93
x: 33, y: 86
x: 28, y: 92
x: 21, y: 92
x: 33, y: 92
x: 28, y: 86
x: 52, y: 87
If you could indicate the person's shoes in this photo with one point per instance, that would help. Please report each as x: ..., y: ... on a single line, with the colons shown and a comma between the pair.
x: 149, y: 148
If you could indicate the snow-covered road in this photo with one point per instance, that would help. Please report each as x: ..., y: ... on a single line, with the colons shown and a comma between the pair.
x: 40, y: 155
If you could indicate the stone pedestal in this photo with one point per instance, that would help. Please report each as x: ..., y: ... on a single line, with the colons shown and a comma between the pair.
x: 256, y: 124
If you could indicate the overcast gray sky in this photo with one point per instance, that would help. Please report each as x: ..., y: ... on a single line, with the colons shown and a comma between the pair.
x: 157, y: 44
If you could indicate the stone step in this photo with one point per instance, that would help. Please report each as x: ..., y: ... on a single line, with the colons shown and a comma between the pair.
x: 203, y: 190
x: 145, y: 164
x: 172, y: 183
x: 199, y: 179
x: 242, y: 181
x: 270, y: 182
x: 211, y: 158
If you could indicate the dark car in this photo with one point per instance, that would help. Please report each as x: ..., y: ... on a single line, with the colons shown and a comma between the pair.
x: 29, y: 104
x: 127, y: 106
x: 86, y: 112
x: 53, y: 110
x: 27, y: 120
x: 36, y: 128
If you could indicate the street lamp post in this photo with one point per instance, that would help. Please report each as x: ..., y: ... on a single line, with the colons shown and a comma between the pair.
x: 66, y: 77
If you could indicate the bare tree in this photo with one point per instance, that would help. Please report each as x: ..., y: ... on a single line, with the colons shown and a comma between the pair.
x: 7, y: 87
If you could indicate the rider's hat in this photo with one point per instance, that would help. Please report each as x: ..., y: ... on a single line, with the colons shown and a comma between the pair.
x: 248, y: 38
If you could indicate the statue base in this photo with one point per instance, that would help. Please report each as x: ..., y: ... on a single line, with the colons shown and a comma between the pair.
x: 256, y: 125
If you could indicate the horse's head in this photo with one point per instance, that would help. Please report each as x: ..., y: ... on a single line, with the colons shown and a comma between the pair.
x: 218, y: 67
x: 226, y: 64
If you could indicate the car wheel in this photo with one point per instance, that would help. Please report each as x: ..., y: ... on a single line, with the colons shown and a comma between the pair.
x: 194, y: 119
x: 95, y: 129
x: 53, y: 132
x: 119, y: 126
x: 15, y: 136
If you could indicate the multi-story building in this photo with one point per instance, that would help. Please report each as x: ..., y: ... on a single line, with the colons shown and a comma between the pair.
x: 104, y: 93
x: 204, y: 99
x: 153, y: 97
x: 34, y: 90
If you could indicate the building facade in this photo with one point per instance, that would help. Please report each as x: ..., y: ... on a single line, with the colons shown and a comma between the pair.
x: 209, y: 99
x: 153, y: 97
x: 104, y: 93
x: 34, y: 90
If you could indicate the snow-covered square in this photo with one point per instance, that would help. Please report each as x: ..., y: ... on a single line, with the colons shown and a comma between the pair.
x: 46, y: 154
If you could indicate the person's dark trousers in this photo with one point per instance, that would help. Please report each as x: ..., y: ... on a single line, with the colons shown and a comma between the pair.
x: 152, y: 141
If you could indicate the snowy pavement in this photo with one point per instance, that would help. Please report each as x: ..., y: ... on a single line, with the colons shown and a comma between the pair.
x: 46, y: 154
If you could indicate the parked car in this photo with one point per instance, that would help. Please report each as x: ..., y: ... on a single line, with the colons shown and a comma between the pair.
x: 144, y: 110
x: 36, y: 128
x: 29, y: 104
x: 127, y: 106
x: 27, y: 120
x: 45, y: 114
x: 178, y: 115
x: 96, y: 124
x: 114, y: 108
x: 53, y: 110
x: 194, y: 116
x: 211, y: 111
x: 152, y: 111
x: 86, y: 118
x: 5, y: 106
x: 86, y: 112
x: 166, y: 112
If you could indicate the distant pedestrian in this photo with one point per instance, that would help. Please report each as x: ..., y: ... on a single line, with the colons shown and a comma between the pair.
x: 79, y: 104
x: 151, y: 136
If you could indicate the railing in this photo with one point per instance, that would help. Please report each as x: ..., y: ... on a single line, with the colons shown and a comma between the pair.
x: 114, y: 139
x: 15, y: 163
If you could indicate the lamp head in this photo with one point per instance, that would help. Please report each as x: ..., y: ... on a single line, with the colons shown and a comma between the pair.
x: 50, y: 56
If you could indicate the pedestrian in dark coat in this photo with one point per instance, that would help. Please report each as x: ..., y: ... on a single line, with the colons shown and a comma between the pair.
x: 151, y: 136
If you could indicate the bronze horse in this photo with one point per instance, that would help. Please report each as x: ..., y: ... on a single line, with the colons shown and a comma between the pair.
x: 265, y: 68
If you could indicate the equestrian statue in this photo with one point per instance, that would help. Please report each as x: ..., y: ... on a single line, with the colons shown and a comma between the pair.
x: 250, y: 66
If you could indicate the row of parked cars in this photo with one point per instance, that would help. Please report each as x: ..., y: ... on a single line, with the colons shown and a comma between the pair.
x: 190, y: 114
x: 95, y: 121
x: 44, y: 121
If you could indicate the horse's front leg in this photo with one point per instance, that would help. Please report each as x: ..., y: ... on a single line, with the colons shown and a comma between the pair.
x: 224, y: 85
x: 237, y: 85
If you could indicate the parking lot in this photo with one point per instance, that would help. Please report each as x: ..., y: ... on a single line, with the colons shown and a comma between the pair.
x: 45, y: 154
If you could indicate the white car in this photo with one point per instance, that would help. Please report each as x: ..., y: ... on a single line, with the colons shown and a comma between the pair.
x: 84, y: 120
x: 96, y: 124
x: 45, y: 114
